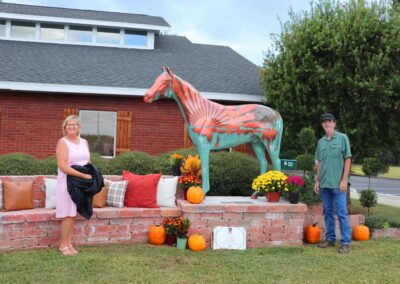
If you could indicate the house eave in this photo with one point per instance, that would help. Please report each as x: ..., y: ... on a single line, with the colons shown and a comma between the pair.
x: 114, y: 91
x: 99, y: 23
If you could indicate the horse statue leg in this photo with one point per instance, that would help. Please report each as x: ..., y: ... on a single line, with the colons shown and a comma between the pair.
x: 203, y: 147
x: 259, y: 150
x: 274, y: 148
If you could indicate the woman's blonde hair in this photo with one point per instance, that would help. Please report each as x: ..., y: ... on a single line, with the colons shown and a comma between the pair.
x: 68, y: 119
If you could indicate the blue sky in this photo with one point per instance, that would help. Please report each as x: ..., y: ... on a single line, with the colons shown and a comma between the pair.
x: 245, y: 26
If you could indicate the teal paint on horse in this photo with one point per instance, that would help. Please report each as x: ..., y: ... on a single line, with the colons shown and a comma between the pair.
x: 212, y: 126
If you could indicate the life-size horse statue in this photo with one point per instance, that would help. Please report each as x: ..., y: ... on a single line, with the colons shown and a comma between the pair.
x: 214, y: 126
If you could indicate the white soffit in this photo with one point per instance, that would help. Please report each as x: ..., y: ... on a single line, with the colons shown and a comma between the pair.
x: 117, y: 91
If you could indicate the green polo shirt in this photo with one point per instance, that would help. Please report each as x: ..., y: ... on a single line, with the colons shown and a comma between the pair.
x: 331, y: 154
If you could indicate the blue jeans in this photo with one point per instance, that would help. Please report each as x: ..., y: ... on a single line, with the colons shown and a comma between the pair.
x: 334, y: 200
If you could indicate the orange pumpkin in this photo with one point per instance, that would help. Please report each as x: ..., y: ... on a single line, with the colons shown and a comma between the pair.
x: 361, y: 233
x: 195, y: 195
x: 313, y: 233
x: 197, y: 243
x: 157, y: 235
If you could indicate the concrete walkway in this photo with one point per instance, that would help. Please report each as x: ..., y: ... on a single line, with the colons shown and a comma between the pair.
x: 387, y: 199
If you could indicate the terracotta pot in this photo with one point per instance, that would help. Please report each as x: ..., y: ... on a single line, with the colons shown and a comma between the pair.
x: 185, y: 194
x: 273, y: 196
x: 170, y: 240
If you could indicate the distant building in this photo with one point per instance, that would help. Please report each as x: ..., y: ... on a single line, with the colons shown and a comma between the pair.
x: 55, y: 62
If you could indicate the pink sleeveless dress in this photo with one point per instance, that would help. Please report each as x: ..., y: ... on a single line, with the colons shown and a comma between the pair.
x: 77, y: 155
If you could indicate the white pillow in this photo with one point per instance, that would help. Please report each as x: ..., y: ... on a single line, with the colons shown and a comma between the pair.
x: 50, y: 186
x: 1, y: 195
x: 166, y: 191
x: 116, y: 193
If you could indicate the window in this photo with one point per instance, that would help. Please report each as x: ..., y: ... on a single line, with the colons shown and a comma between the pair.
x: 52, y: 32
x: 135, y: 38
x: 80, y: 34
x: 2, y: 28
x: 99, y: 129
x: 23, y: 30
x: 108, y: 36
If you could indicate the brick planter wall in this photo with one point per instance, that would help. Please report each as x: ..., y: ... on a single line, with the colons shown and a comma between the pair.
x: 266, y: 224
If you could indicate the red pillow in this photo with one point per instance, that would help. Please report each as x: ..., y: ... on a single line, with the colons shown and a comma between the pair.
x: 141, y: 190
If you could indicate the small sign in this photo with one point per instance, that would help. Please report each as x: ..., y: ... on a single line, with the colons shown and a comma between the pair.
x: 229, y: 238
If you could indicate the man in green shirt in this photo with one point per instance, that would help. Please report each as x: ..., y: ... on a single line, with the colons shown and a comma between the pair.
x: 333, y: 166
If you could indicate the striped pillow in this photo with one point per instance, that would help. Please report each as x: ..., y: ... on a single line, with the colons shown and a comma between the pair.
x: 116, y: 193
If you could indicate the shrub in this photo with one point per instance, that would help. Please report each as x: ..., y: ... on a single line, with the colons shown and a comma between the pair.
x: 102, y: 163
x: 305, y: 162
x: 18, y: 164
x: 373, y: 167
x: 307, y: 139
x: 368, y: 198
x: 48, y: 166
x: 232, y: 173
x: 136, y: 162
x: 307, y: 194
x: 288, y: 154
x: 380, y: 222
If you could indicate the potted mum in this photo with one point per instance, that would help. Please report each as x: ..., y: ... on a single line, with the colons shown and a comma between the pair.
x: 171, y: 229
x: 176, y: 162
x: 293, y: 186
x: 191, y: 173
x: 183, y: 228
x: 272, y: 183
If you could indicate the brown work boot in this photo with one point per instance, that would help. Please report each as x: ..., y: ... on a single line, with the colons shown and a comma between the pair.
x: 344, y: 249
x: 325, y: 244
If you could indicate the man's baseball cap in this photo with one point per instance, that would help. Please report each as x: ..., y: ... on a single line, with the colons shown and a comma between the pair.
x: 327, y: 116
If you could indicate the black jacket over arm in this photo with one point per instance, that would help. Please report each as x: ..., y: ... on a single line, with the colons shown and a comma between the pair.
x: 82, y: 190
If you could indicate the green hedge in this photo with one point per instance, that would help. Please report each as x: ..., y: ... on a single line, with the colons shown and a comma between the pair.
x: 18, y: 164
x: 136, y: 162
x: 230, y: 173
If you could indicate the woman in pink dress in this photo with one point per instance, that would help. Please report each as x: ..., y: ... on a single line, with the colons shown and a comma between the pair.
x: 71, y: 150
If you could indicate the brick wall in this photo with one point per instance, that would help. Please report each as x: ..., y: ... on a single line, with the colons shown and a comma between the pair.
x: 31, y: 123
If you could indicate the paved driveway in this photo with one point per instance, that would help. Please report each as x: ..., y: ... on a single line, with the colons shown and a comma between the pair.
x: 380, y: 185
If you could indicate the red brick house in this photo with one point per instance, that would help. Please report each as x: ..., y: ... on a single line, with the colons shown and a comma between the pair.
x: 55, y: 62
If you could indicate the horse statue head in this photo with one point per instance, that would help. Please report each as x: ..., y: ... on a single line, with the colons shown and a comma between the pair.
x: 160, y: 86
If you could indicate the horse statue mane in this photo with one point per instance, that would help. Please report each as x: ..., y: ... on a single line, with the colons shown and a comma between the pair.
x: 212, y: 126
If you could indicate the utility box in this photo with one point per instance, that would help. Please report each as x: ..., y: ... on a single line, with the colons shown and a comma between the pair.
x: 288, y: 165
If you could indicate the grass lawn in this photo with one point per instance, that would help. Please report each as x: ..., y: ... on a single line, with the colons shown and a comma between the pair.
x: 374, y: 261
x: 394, y: 172
x: 378, y: 210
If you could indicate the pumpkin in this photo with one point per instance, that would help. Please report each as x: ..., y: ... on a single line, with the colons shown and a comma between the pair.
x: 156, y: 235
x: 197, y: 243
x: 195, y: 195
x: 361, y: 233
x: 313, y: 233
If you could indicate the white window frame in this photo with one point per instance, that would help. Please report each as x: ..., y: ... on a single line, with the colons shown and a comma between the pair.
x: 150, y: 34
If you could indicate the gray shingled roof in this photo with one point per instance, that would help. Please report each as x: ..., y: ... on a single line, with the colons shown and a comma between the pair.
x: 82, y: 14
x: 209, y: 68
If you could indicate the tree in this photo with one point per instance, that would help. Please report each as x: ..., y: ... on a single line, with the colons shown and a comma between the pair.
x: 368, y: 198
x: 372, y: 167
x: 341, y: 58
x: 307, y: 139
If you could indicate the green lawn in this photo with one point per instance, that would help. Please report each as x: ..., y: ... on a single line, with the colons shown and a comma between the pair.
x: 386, y: 211
x: 394, y: 172
x: 375, y: 261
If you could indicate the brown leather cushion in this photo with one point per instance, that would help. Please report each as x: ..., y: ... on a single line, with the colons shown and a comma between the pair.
x: 17, y: 195
x: 99, y: 199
